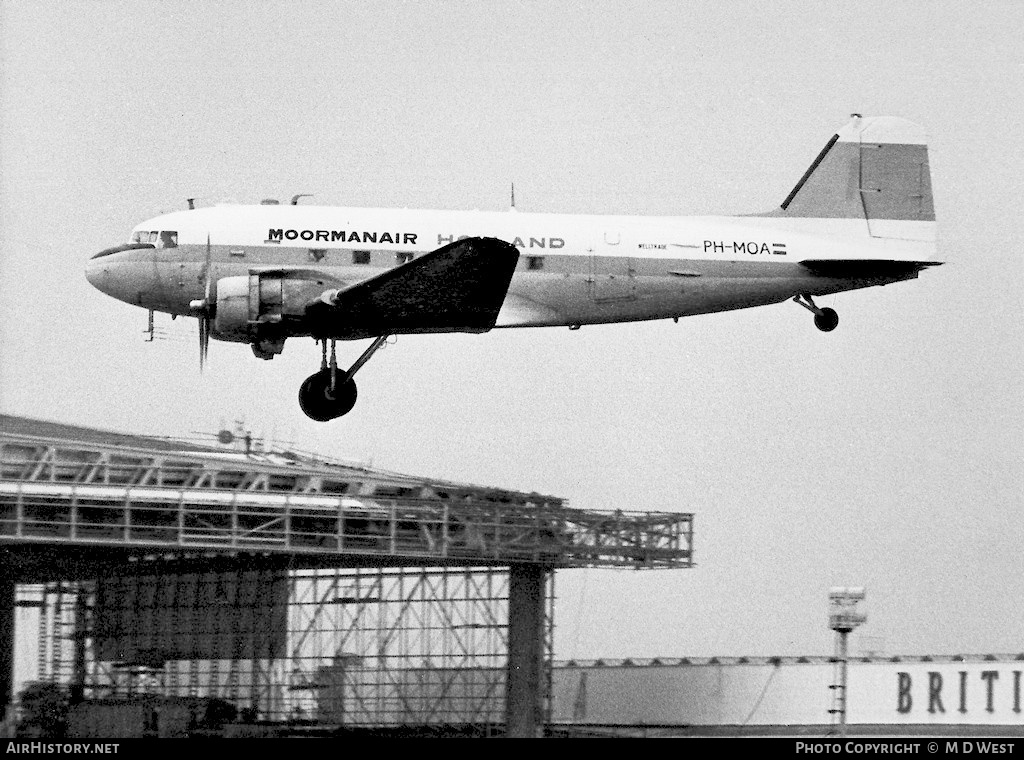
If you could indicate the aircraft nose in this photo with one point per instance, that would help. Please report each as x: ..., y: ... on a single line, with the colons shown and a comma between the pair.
x: 124, y: 272
x: 95, y: 275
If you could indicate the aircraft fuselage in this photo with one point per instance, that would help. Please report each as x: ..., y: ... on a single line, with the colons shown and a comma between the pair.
x: 861, y: 215
x: 572, y: 270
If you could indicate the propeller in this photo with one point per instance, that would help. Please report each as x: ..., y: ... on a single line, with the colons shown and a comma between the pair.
x: 204, y: 310
x: 204, y: 341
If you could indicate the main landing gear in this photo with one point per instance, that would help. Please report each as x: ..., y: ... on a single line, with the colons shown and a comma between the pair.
x: 825, y: 319
x: 331, y: 392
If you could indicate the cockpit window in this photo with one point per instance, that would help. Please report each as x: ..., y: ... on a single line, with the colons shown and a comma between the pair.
x: 161, y: 239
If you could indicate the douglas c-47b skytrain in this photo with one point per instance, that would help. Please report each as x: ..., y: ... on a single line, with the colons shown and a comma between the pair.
x: 861, y: 215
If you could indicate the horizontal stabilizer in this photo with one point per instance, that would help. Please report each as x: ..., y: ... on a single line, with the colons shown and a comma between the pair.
x: 866, y: 269
x: 459, y: 287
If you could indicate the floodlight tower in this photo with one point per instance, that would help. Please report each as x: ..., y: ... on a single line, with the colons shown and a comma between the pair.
x: 843, y: 618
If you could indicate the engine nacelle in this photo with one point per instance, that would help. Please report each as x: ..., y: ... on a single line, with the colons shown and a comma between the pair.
x: 261, y: 307
x: 239, y: 306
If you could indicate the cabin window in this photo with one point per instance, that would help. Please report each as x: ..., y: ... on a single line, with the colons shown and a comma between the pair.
x: 534, y: 263
x: 168, y: 240
x: 144, y: 236
x: 360, y: 257
x: 403, y: 257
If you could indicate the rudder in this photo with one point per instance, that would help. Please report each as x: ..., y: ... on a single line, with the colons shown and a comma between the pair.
x: 875, y: 169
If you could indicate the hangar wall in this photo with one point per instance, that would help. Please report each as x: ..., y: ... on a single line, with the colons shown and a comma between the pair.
x: 191, y: 616
x: 947, y: 690
x: 961, y: 692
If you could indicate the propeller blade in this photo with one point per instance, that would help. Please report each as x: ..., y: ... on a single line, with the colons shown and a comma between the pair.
x: 207, y: 310
x: 206, y: 272
x: 204, y: 341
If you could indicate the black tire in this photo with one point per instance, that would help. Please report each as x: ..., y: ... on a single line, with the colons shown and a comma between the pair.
x: 827, y: 320
x: 319, y: 404
x: 345, y: 399
x: 312, y: 400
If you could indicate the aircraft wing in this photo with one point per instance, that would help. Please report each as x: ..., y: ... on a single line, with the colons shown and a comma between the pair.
x: 457, y: 288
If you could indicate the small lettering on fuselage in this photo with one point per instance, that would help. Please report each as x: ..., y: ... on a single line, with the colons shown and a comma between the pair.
x: 342, y: 236
x: 529, y: 242
x: 752, y: 247
x: 653, y: 246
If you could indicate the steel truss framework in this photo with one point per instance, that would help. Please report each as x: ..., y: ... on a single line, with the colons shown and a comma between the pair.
x: 381, y: 647
x: 87, y: 494
x: 426, y: 640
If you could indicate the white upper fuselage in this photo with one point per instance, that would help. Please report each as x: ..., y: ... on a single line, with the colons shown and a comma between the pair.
x: 572, y: 269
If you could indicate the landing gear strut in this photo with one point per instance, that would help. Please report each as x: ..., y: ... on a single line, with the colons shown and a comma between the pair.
x: 825, y: 319
x: 331, y: 392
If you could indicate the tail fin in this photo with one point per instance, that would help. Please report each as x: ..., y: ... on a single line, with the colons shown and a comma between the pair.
x: 875, y: 169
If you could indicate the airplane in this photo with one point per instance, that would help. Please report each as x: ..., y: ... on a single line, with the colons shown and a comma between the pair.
x: 861, y: 215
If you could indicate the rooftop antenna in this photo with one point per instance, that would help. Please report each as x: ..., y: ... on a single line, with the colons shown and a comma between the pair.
x: 295, y: 198
x: 513, y: 206
x: 191, y: 203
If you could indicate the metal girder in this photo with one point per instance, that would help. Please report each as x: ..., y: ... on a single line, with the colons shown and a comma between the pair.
x: 63, y: 492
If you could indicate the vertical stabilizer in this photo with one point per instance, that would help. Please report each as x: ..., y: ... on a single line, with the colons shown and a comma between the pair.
x: 875, y: 169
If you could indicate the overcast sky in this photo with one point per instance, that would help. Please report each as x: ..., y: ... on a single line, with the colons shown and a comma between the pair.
x: 886, y: 454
